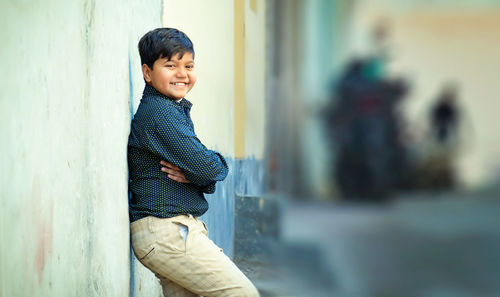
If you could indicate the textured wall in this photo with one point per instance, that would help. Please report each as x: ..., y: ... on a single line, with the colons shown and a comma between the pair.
x: 64, y: 124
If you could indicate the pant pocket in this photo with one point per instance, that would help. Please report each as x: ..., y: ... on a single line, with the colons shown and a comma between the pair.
x: 142, y: 243
x: 183, y: 231
x: 171, y: 236
x: 181, y: 235
x: 147, y: 254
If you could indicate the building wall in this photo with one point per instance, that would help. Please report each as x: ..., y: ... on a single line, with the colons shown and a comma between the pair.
x: 64, y: 110
x: 71, y: 81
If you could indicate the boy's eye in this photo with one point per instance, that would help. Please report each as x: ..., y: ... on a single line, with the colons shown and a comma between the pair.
x: 170, y: 65
x: 190, y: 66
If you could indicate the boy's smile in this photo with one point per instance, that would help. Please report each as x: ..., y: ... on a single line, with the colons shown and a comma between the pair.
x: 173, y: 78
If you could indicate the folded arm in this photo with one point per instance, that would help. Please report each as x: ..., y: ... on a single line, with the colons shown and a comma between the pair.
x: 174, y: 141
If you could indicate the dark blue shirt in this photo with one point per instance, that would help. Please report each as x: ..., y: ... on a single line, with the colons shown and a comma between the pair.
x: 162, y: 130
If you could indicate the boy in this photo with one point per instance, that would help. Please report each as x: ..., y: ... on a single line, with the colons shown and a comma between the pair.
x: 170, y: 169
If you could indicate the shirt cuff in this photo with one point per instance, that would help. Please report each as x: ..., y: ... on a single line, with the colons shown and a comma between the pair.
x: 208, y: 189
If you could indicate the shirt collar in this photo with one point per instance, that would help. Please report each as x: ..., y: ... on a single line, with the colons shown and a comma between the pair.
x: 149, y: 91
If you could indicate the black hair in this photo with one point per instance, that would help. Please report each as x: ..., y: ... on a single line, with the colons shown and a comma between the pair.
x: 163, y: 43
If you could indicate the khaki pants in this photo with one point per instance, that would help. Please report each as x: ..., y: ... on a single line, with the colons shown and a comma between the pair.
x: 185, y: 260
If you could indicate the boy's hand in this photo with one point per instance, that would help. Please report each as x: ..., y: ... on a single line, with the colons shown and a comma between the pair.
x: 174, y: 172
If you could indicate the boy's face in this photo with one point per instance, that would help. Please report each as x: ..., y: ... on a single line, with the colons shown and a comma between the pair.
x: 173, y: 78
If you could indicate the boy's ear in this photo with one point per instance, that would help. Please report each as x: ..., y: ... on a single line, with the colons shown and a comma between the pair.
x: 146, y: 73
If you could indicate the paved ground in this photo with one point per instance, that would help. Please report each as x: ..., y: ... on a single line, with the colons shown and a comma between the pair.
x: 422, y: 246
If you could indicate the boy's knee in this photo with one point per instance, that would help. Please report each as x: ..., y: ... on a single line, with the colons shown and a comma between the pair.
x: 249, y: 291
x: 254, y: 293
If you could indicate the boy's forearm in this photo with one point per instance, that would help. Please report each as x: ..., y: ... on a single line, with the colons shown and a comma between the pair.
x: 175, y: 141
x: 203, y: 176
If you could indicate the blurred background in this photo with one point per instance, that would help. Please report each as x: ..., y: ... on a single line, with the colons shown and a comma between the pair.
x: 391, y: 92
x: 382, y: 135
x: 360, y: 135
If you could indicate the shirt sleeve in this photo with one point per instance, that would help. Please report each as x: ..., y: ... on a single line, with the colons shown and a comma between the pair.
x: 174, y: 140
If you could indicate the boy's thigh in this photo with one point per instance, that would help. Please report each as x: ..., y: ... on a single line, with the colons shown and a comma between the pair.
x: 172, y: 289
x: 194, y: 261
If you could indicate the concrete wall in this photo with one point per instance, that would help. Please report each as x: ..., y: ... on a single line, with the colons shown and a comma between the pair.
x: 64, y: 109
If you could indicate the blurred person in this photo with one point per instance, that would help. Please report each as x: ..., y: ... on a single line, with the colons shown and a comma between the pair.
x: 364, y: 126
x: 438, y: 170
x: 445, y: 116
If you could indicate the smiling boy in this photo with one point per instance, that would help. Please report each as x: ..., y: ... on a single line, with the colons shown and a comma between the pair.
x: 170, y: 170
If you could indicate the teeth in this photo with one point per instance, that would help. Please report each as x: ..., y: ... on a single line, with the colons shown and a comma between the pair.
x: 179, y: 84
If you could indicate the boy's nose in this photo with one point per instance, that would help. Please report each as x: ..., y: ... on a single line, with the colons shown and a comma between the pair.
x: 181, y: 72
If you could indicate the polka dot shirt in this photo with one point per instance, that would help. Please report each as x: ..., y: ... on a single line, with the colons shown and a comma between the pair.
x: 162, y: 129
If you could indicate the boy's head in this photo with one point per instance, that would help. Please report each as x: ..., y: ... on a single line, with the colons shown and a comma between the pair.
x: 167, y: 58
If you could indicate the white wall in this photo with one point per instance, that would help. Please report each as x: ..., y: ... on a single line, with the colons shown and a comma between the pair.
x: 255, y: 82
x: 64, y: 125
